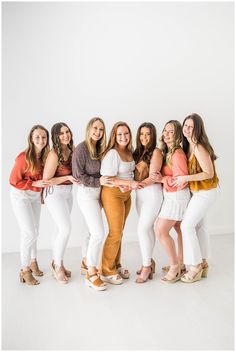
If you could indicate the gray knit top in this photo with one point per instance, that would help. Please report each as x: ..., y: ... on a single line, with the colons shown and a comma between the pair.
x: 84, y: 168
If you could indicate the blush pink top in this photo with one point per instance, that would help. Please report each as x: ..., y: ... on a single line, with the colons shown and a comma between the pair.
x: 176, y: 167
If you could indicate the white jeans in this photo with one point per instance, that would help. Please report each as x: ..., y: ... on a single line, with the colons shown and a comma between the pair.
x: 195, y: 237
x: 59, y: 204
x: 148, y: 205
x: 89, y: 203
x: 26, y: 206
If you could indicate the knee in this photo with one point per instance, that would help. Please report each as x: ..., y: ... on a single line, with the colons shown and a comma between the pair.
x: 186, y: 227
x: 159, y: 232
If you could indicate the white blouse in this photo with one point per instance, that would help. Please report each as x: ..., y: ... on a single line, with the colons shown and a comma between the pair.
x: 113, y: 165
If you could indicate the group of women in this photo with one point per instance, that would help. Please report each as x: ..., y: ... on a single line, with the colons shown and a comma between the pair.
x: 175, y: 185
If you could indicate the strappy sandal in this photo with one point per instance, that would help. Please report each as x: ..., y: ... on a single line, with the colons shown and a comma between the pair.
x: 141, y: 280
x: 66, y: 271
x: 59, y: 274
x: 194, y: 274
x: 167, y: 268
x: 113, y: 279
x: 83, y: 268
x: 138, y: 272
x: 95, y: 282
x: 27, y: 277
x: 173, y: 275
x: 124, y: 273
x: 35, y: 269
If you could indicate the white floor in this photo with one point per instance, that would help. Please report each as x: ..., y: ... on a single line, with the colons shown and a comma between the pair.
x: 152, y: 316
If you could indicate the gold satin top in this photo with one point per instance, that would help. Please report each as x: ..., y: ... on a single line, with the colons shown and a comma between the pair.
x: 195, y: 168
x: 141, y: 171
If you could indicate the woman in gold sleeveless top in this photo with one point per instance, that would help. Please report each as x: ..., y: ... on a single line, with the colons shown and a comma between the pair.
x: 203, y: 183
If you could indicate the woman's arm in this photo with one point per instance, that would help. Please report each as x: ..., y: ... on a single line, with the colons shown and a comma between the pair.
x: 205, y: 163
x: 79, y: 159
x: 155, y: 167
x: 50, y: 170
x: 17, y: 176
x: 179, y: 168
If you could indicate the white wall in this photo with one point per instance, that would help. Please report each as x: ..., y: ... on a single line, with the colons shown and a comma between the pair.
x: 122, y: 61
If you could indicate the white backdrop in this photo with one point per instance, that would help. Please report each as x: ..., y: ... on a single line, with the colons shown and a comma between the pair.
x: 146, y: 61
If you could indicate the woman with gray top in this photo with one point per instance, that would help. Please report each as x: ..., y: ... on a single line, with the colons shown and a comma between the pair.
x: 86, y: 164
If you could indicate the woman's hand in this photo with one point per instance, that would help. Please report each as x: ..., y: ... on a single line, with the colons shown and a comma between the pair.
x: 107, y: 180
x: 141, y: 185
x: 134, y: 184
x: 156, y: 177
x: 180, y: 180
x: 73, y: 180
x: 41, y: 183
x: 124, y: 189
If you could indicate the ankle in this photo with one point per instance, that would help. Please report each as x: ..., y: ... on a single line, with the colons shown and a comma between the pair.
x: 25, y: 269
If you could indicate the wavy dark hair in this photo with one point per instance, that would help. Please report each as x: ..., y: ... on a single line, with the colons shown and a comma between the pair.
x: 199, y: 135
x: 30, y: 154
x: 56, y: 144
x: 112, y: 144
x: 141, y: 152
x: 178, y: 137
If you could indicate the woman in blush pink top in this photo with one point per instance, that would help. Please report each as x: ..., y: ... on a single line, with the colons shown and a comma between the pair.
x: 176, y: 198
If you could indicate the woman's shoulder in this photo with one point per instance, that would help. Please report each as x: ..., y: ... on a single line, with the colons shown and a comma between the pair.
x: 199, y: 149
x: 179, y: 153
x: 21, y: 156
x: 157, y: 152
x: 112, y: 153
x: 52, y: 155
x: 81, y: 147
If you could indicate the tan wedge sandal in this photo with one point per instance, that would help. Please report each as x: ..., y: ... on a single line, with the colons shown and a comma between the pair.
x: 173, y: 275
x: 95, y: 282
x: 27, y: 277
x: 194, y: 274
x: 35, y: 269
x: 205, y: 271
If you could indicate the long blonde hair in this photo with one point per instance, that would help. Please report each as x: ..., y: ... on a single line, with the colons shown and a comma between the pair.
x: 112, y: 144
x: 178, y: 136
x: 95, y: 151
x: 30, y: 154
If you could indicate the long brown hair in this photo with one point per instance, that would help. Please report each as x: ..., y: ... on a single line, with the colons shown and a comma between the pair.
x: 141, y: 152
x: 112, y: 144
x: 95, y: 151
x: 56, y: 144
x: 199, y: 135
x: 30, y: 154
x: 178, y: 136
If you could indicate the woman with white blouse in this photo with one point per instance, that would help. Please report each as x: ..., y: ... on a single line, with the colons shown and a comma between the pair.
x: 118, y: 165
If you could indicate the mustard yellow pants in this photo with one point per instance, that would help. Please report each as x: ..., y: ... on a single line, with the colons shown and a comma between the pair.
x: 116, y: 206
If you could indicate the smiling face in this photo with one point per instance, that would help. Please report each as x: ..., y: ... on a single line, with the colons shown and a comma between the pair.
x: 169, y: 134
x: 64, y: 135
x: 188, y: 128
x: 39, y: 139
x: 122, y: 136
x: 96, y: 131
x: 145, y: 136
